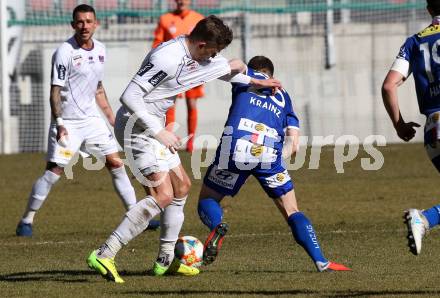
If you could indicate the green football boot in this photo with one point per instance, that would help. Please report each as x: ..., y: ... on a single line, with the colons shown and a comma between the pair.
x: 176, y: 268
x: 105, y: 266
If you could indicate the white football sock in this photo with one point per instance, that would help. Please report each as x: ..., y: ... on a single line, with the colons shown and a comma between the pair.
x: 171, y: 222
x: 40, y: 190
x: 134, y: 222
x: 123, y: 187
x: 110, y: 247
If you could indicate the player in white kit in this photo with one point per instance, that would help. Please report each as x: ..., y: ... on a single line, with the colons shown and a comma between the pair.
x: 170, y: 69
x: 76, y: 90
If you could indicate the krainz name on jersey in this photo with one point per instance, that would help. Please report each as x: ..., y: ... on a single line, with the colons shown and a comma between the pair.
x: 157, y: 78
x: 265, y: 105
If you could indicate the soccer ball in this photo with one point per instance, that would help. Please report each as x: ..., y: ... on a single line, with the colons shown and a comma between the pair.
x: 189, y: 251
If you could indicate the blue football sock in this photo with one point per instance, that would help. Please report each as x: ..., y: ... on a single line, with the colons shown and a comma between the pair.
x: 210, y: 212
x: 305, y: 236
x: 433, y: 216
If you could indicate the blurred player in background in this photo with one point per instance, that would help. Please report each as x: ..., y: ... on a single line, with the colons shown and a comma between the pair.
x: 170, y: 69
x: 180, y: 21
x: 76, y: 90
x: 419, y: 55
x: 252, y: 144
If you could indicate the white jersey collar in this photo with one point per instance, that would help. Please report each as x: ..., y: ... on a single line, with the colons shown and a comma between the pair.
x: 183, y: 40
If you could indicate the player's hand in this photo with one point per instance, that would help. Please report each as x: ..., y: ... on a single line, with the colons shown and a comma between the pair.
x: 406, y: 131
x: 290, y: 146
x: 274, y: 83
x: 271, y: 83
x: 168, y: 139
x: 62, y: 135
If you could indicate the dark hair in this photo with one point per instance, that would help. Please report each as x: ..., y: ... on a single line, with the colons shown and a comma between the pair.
x: 213, y: 31
x: 434, y: 5
x: 83, y: 8
x: 261, y: 63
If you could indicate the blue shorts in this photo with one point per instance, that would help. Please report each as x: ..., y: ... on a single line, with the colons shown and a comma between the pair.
x: 228, y: 180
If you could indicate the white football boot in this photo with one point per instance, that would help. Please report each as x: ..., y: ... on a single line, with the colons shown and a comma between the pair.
x: 417, y: 225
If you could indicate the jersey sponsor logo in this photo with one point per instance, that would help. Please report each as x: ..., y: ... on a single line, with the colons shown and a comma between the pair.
x: 157, y: 78
x: 77, y: 60
x: 225, y: 175
x: 257, y: 150
x: 145, y: 68
x: 223, y: 178
x: 191, y: 65
x: 259, y: 130
x: 61, y: 72
x: 259, y: 127
x: 278, y: 179
x: 247, y: 152
x: 65, y: 153
x: 91, y: 60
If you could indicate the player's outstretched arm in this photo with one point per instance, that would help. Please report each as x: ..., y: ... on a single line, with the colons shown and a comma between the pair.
x: 291, y: 142
x: 56, y: 109
x: 237, y: 66
x: 102, y: 102
x: 272, y: 83
x: 237, y: 75
x: 132, y: 99
x: 392, y: 81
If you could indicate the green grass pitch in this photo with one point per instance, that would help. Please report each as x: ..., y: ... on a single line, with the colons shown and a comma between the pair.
x: 357, y: 216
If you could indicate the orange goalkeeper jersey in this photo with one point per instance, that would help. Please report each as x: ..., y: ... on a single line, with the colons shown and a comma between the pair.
x: 171, y: 25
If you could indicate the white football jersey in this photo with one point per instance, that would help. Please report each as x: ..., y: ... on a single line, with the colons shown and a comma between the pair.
x: 78, y: 71
x: 169, y: 70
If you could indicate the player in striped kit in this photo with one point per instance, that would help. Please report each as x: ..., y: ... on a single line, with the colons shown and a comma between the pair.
x: 76, y: 90
x: 252, y: 144
x: 419, y: 55
x: 172, y: 68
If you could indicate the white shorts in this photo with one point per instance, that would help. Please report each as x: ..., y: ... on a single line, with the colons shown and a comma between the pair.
x: 89, y: 135
x: 144, y: 153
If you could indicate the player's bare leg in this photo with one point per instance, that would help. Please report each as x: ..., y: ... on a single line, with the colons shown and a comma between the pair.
x: 120, y: 180
x: 304, y: 233
x: 38, y: 195
x: 171, y: 223
x: 211, y: 214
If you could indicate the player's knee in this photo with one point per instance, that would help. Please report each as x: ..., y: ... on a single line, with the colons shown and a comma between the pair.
x: 183, y: 188
x: 54, y: 168
x: 164, y: 198
x: 113, y: 163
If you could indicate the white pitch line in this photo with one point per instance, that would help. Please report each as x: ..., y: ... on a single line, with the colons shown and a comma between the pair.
x: 41, y: 243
